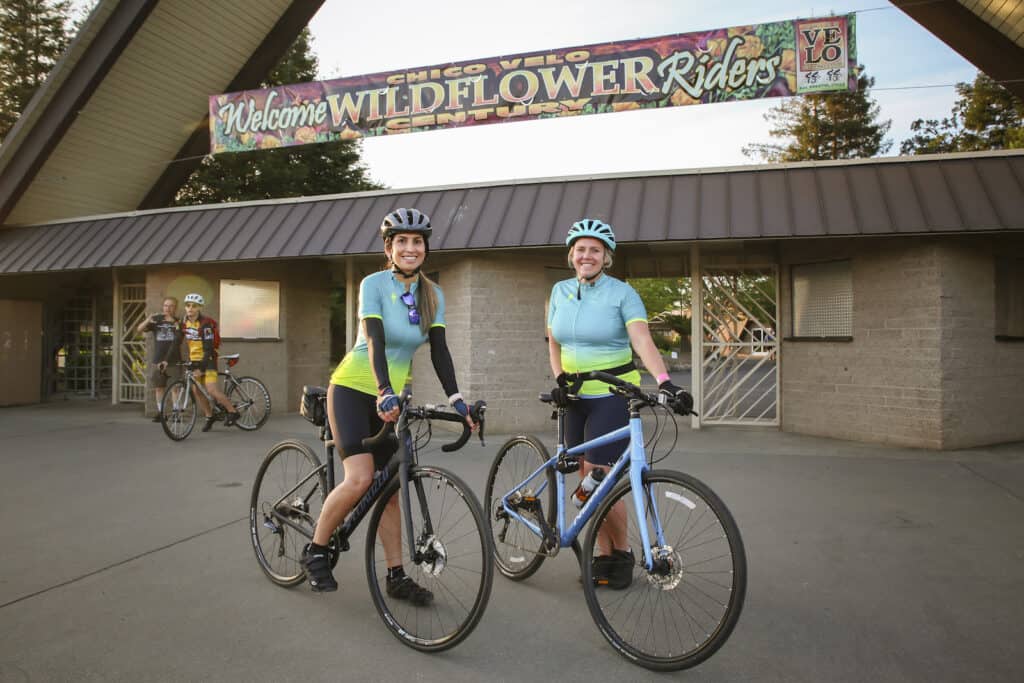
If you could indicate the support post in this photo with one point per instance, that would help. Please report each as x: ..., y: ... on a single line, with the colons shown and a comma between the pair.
x: 117, y: 338
x: 696, y: 335
x: 350, y: 303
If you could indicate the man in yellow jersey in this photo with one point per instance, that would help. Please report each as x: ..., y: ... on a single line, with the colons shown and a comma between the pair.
x: 202, y: 338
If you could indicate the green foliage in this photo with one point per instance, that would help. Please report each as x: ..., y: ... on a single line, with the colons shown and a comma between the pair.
x: 985, y: 116
x: 825, y: 126
x: 33, y: 36
x: 306, y: 170
x: 667, y: 302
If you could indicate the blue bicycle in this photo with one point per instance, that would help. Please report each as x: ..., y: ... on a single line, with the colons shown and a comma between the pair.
x: 681, y: 591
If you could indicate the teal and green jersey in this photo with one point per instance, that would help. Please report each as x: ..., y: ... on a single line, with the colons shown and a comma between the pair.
x: 380, y: 297
x: 589, y: 322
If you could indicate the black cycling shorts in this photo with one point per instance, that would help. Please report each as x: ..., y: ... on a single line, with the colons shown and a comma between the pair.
x: 355, y: 415
x: 589, y: 418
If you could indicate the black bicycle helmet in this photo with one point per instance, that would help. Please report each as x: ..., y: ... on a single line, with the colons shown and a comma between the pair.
x: 405, y: 220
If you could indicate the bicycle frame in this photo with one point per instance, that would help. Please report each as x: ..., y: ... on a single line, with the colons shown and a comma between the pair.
x: 399, y: 463
x: 633, y: 457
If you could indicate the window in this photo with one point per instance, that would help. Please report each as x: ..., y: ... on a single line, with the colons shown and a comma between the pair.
x: 250, y: 309
x: 1010, y: 299
x: 823, y: 300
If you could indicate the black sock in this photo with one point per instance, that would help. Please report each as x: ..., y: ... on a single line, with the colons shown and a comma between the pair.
x: 395, y: 573
x: 314, y: 548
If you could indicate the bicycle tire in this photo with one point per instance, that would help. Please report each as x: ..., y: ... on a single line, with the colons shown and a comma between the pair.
x: 458, y: 569
x: 278, y: 546
x: 686, y: 612
x: 254, y: 403
x: 177, y: 411
x: 518, y: 551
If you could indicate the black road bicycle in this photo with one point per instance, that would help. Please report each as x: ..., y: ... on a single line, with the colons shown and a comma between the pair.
x: 178, y: 410
x: 446, y: 547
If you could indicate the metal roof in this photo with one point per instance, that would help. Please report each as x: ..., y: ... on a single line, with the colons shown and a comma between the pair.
x: 954, y: 193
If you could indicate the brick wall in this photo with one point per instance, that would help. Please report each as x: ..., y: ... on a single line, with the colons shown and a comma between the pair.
x: 982, y: 378
x: 496, y: 333
x: 885, y: 385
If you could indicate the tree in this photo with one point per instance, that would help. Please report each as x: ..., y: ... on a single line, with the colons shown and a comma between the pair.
x: 33, y: 36
x: 667, y: 302
x: 315, y: 169
x: 826, y: 126
x: 985, y: 116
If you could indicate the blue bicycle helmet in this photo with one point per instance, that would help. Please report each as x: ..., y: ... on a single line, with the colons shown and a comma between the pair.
x: 591, y: 227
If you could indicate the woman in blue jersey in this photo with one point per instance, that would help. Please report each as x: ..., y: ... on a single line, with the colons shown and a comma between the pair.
x: 595, y: 321
x: 399, y: 310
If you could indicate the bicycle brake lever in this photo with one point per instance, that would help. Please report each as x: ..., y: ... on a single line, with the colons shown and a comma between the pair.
x: 478, y: 411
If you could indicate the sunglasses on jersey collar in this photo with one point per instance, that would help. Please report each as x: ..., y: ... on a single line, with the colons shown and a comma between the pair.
x: 410, y: 301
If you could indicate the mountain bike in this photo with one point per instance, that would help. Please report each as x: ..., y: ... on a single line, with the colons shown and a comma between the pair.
x: 178, y: 409
x: 445, y: 544
x: 688, y: 569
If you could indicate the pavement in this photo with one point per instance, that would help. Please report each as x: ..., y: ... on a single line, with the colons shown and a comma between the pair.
x: 125, y: 557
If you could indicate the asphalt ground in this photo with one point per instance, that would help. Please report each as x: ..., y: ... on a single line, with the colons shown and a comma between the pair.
x: 126, y: 557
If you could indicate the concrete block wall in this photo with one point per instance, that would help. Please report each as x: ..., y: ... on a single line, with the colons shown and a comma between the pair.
x: 496, y: 333
x: 982, y: 378
x: 885, y: 385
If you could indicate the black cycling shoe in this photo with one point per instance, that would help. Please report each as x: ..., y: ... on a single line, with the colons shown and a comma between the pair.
x: 231, y: 419
x: 208, y: 425
x: 404, y: 588
x: 599, y: 569
x: 618, y: 572
x: 318, y: 571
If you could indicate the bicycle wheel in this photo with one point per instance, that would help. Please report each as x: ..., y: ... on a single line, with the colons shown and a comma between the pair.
x: 678, y: 614
x: 453, y: 560
x: 287, y: 495
x: 518, y: 551
x: 252, y: 400
x: 177, y: 411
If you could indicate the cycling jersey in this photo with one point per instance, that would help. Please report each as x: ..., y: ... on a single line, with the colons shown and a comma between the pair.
x: 202, y: 338
x: 589, y: 322
x: 380, y: 297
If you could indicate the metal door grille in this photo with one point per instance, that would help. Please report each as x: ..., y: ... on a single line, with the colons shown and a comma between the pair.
x: 132, y: 381
x: 740, y: 347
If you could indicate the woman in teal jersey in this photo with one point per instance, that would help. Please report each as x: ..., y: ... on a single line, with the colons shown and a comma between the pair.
x: 402, y: 306
x: 595, y: 321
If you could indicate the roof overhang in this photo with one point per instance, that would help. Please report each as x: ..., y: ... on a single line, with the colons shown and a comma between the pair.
x: 987, y: 33
x: 122, y: 120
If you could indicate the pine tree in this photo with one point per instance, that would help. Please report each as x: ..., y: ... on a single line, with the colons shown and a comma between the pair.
x: 307, y: 170
x: 826, y: 126
x: 985, y: 116
x: 33, y: 36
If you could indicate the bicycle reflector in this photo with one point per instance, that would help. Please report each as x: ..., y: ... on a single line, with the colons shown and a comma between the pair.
x: 232, y: 362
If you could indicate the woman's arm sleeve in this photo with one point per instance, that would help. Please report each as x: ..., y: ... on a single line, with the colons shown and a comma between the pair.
x: 375, y: 350
x: 442, y: 360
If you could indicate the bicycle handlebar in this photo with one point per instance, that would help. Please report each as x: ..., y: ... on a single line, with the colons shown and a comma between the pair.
x: 429, y: 412
x: 622, y: 387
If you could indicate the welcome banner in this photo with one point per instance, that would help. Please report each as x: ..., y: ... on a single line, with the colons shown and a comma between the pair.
x: 739, y: 63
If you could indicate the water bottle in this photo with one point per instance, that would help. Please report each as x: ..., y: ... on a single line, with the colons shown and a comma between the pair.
x: 586, y: 487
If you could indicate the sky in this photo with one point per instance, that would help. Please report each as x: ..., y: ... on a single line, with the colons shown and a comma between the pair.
x: 351, y: 39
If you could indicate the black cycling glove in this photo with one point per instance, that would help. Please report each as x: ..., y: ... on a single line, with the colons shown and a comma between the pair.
x: 680, y: 399
x: 560, y: 394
